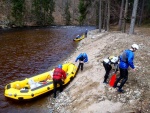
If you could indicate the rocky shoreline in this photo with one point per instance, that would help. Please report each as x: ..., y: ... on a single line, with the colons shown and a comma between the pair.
x: 87, y: 94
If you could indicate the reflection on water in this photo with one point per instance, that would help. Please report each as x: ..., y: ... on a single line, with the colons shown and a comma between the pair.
x: 28, y: 52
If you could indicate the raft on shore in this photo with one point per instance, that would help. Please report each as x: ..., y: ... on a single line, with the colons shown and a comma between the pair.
x: 37, y: 85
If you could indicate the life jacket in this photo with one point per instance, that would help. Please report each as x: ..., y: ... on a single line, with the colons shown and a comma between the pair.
x: 108, y: 60
x: 81, y: 58
x: 124, y: 57
x: 59, y: 74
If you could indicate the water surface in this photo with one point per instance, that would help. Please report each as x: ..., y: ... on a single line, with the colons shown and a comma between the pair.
x: 27, y: 52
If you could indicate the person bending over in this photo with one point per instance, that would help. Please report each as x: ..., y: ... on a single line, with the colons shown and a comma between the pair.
x: 82, y: 57
x: 107, y: 63
x: 58, y: 75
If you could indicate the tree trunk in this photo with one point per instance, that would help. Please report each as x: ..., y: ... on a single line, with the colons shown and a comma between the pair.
x: 100, y: 16
x: 105, y: 15
x: 120, y: 17
x: 108, y: 15
x: 133, y: 18
x: 141, y: 13
x: 125, y: 17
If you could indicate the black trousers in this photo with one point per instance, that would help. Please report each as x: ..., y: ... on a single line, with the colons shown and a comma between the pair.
x: 55, y: 82
x: 123, y: 76
x: 80, y: 66
x: 107, y: 69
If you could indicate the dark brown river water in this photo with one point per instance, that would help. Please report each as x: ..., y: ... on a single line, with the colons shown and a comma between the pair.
x: 27, y: 52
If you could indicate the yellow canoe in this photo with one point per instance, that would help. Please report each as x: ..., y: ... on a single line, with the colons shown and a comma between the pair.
x: 80, y: 38
x: 37, y: 85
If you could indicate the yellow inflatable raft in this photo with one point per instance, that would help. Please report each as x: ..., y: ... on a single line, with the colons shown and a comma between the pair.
x: 80, y: 38
x: 37, y: 85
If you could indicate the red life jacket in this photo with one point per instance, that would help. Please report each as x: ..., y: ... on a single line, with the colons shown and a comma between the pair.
x: 59, y: 74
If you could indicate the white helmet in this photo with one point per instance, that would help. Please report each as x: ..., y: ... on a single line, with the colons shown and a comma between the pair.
x: 135, y: 46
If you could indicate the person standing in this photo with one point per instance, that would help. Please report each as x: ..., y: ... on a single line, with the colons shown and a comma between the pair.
x: 107, y: 62
x: 58, y: 75
x: 82, y: 59
x: 126, y: 60
x: 86, y: 31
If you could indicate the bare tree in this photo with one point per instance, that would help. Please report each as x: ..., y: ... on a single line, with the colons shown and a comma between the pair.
x: 100, y: 16
x: 108, y: 14
x: 133, y: 18
x: 141, y: 12
x: 120, y: 17
x: 125, y: 17
x: 105, y: 15
x: 102, y: 13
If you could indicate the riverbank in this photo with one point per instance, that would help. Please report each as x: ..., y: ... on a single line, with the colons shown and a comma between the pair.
x: 87, y: 93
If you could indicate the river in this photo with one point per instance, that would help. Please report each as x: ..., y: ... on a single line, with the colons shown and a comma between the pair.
x: 27, y: 52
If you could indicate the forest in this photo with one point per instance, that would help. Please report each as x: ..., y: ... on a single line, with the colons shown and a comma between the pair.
x: 20, y: 13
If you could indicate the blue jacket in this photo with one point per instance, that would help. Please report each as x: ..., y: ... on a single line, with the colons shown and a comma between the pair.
x: 126, y: 59
x: 82, y: 57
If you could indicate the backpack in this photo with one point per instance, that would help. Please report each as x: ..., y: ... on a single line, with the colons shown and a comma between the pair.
x: 124, y: 57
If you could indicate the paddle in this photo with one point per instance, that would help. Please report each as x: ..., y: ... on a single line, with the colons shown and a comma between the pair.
x: 112, y: 80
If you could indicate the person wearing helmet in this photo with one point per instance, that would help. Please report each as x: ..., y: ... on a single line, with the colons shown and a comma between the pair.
x: 82, y: 57
x: 126, y: 60
x: 107, y: 63
x: 58, y: 75
x: 86, y: 31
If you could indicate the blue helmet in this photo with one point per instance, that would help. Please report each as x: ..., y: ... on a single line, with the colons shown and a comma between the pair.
x: 60, y: 66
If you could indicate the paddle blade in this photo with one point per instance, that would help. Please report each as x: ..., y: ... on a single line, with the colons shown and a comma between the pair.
x: 112, y: 80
